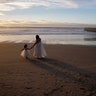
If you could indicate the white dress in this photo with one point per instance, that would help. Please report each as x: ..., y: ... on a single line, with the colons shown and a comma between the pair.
x: 39, y: 50
x: 25, y: 53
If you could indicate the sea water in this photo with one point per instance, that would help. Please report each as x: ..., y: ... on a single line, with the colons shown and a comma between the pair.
x: 54, y: 35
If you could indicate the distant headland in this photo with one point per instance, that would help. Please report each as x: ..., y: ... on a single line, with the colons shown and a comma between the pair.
x: 90, y: 29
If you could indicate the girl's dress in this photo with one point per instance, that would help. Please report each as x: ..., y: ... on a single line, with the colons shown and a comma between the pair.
x: 39, y: 50
x: 25, y: 53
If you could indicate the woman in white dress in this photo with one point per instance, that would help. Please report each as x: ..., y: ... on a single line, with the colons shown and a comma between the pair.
x: 39, y: 51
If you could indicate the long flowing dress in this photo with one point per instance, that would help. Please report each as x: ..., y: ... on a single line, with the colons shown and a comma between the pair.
x: 39, y: 50
x: 25, y: 53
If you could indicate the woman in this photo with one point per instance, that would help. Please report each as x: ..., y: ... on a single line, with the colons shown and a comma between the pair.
x: 39, y: 51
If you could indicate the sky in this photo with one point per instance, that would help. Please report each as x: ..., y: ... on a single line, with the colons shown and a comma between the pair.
x: 38, y: 12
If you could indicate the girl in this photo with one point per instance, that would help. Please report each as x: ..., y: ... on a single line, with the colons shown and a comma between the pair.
x: 25, y: 52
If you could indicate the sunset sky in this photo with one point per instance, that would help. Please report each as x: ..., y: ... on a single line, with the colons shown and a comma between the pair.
x: 47, y: 11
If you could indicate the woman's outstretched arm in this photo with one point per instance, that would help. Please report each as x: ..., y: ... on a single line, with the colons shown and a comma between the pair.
x: 34, y: 44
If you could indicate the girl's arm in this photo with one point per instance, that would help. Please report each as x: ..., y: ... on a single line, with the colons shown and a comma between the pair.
x: 22, y: 49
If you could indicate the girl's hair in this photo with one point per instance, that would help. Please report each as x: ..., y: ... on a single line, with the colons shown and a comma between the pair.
x: 25, y: 46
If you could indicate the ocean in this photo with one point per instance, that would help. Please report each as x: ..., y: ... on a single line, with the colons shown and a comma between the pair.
x: 54, y: 35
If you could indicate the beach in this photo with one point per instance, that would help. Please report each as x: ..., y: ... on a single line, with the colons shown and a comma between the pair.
x: 68, y: 70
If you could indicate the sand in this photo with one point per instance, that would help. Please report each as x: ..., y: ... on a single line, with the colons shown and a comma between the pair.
x: 68, y: 70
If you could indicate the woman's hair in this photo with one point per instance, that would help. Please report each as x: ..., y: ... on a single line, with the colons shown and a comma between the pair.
x: 25, y: 46
x: 37, y: 36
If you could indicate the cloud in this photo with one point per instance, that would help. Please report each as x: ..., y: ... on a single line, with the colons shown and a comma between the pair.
x: 14, y: 4
x: 14, y: 22
x: 85, y: 3
x: 63, y: 3
x: 20, y: 5
x: 10, y: 5
x: 4, y: 7
x: 41, y: 23
x: 1, y: 14
x: 28, y: 22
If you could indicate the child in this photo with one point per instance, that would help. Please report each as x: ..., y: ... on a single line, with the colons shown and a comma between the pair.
x: 25, y: 52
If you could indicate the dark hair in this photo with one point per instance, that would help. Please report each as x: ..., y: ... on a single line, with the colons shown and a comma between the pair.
x: 37, y: 36
x: 25, y: 46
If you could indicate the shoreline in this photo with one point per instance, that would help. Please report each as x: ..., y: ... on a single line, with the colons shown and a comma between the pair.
x: 67, y: 70
x: 8, y: 42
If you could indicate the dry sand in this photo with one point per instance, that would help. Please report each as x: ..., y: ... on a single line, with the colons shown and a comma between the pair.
x: 68, y: 70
